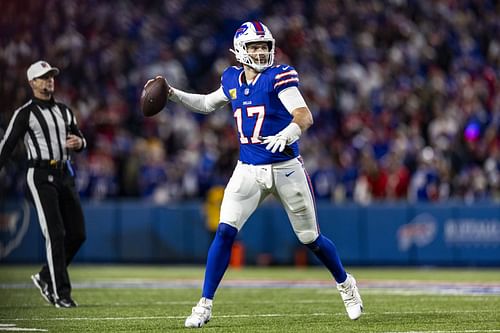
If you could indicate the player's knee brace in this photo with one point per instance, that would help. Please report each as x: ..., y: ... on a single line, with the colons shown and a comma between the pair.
x: 226, y: 232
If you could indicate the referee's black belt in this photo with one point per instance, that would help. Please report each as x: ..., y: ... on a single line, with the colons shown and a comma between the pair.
x: 47, y: 164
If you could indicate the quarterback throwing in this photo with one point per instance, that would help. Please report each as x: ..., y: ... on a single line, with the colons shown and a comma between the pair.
x: 270, y: 115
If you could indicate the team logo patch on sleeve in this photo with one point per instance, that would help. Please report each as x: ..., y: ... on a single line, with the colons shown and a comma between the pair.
x: 232, y: 93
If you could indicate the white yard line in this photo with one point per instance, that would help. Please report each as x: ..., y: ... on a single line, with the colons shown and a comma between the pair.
x: 13, y: 328
x: 249, y: 316
x: 20, y: 329
x: 454, y: 331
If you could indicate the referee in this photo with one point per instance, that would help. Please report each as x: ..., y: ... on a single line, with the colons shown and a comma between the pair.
x: 49, y: 131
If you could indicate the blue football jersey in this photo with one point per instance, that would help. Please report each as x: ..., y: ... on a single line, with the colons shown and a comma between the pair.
x: 258, y: 112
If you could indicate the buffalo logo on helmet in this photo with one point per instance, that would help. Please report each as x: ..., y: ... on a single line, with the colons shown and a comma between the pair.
x: 241, y: 30
x: 251, y: 32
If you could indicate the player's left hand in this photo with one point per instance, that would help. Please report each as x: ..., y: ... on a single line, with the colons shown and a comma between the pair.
x: 275, y: 142
x: 287, y: 136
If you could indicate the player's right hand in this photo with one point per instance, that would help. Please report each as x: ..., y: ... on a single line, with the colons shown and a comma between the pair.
x: 169, y: 89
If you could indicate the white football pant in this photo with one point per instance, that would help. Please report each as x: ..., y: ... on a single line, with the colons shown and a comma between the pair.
x: 287, y: 181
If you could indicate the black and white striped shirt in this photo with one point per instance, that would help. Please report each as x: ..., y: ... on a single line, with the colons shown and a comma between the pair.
x: 44, y: 126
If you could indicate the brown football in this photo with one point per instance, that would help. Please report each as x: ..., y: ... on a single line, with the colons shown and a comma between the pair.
x: 154, y: 97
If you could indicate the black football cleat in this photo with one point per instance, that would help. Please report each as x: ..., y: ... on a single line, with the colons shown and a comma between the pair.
x: 65, y: 303
x: 44, y: 288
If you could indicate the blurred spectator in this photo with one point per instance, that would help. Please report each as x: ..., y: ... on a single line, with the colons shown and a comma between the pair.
x: 372, y: 182
x: 425, y: 181
x: 388, y: 77
x: 398, y: 176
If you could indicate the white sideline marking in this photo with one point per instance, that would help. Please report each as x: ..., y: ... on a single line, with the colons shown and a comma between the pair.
x: 20, y: 329
x: 389, y: 287
x: 454, y: 331
x: 179, y: 317
x: 319, y: 314
x: 13, y: 328
x: 472, y: 298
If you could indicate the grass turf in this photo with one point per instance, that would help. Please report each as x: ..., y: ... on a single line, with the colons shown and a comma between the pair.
x: 244, y: 309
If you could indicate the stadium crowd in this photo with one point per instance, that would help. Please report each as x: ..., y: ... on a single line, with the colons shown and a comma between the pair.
x: 405, y: 94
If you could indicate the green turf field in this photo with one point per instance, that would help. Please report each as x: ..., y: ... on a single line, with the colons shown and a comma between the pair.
x: 158, y: 298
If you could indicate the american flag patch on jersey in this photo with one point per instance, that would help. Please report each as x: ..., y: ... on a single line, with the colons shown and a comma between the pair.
x: 286, y: 78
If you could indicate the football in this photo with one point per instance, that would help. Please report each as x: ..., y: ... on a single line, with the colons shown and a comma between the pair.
x: 154, y: 97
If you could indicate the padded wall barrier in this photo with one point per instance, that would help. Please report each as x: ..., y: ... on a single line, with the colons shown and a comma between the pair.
x: 384, y: 234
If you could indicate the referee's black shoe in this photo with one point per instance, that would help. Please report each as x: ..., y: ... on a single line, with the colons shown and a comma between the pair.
x: 44, y: 288
x: 65, y: 303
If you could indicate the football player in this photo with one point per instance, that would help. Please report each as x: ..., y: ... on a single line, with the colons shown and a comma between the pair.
x: 270, y: 115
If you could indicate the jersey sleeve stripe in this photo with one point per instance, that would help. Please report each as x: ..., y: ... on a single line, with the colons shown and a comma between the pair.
x: 292, y: 72
x: 280, y: 83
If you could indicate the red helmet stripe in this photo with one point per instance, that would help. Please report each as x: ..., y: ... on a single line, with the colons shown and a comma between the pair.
x: 258, y: 28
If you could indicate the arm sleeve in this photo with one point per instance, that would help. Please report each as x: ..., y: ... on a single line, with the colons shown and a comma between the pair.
x: 18, y: 126
x: 73, y: 129
x: 199, y: 103
x: 292, y: 99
